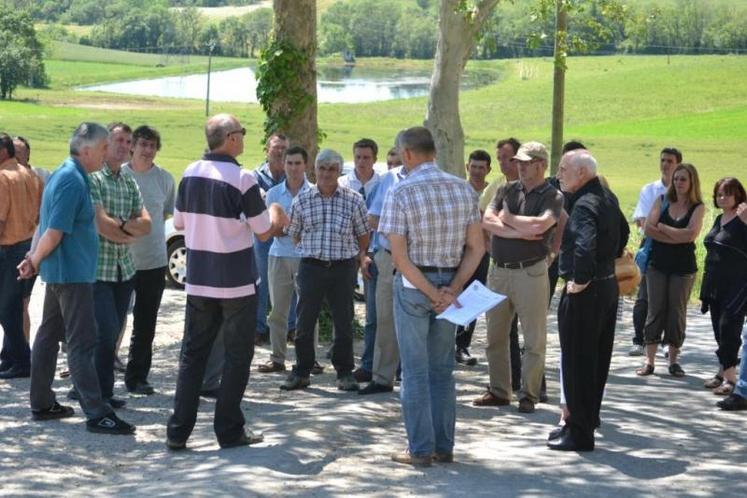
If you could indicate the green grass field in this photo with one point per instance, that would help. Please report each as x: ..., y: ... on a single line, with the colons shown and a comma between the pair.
x: 625, y: 108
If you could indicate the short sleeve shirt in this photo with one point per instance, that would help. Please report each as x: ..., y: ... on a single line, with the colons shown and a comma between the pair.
x: 283, y: 247
x: 328, y: 227
x: 533, y: 203
x: 432, y: 209
x: 67, y: 207
x: 120, y: 197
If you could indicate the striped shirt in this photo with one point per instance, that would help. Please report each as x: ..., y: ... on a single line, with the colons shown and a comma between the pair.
x: 432, y: 209
x: 219, y: 206
x: 328, y: 227
x: 120, y: 197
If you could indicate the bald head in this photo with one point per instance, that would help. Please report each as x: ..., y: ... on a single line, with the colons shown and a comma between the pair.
x: 576, y: 168
x: 224, y: 134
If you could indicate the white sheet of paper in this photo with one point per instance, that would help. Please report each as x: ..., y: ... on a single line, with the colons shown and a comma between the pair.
x: 475, y: 300
x: 407, y: 284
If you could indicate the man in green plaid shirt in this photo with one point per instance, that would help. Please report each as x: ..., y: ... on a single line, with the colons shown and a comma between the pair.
x: 120, y: 220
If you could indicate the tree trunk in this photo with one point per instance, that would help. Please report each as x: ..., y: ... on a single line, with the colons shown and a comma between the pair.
x: 558, y: 84
x: 295, y: 23
x: 457, y: 32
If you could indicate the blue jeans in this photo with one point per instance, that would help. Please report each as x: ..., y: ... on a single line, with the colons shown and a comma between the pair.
x: 741, y: 387
x: 110, y: 302
x: 426, y: 347
x: 15, y: 352
x: 369, y: 331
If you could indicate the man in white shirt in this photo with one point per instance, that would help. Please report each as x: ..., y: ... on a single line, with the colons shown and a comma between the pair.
x: 668, y: 160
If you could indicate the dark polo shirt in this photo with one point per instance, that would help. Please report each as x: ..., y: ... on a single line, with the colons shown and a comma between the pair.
x: 533, y: 203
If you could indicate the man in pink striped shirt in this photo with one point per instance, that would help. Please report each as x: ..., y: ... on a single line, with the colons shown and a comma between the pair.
x: 219, y: 207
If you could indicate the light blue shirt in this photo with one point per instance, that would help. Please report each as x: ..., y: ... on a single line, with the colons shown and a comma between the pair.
x: 283, y: 247
x: 387, y: 181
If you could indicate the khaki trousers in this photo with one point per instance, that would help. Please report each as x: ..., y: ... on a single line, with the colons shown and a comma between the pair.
x: 527, y: 291
x: 386, y: 349
x: 281, y: 275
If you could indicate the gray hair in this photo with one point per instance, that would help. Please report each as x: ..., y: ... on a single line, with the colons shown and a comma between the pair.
x: 87, y: 135
x: 329, y: 156
x: 217, y: 129
x: 582, y: 159
x: 416, y: 139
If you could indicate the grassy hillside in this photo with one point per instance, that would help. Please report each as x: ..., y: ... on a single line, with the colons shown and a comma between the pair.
x: 625, y: 108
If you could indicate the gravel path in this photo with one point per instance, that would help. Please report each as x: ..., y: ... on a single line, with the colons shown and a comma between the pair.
x: 659, y: 436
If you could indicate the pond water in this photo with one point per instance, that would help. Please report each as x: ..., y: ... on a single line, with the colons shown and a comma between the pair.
x: 334, y: 84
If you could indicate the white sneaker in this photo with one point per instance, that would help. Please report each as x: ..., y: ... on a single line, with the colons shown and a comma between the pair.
x: 636, y: 350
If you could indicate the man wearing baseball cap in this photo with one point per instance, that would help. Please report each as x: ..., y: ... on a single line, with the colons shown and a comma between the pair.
x: 522, y: 216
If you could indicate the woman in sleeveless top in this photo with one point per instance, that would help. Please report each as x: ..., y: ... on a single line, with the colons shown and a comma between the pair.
x: 724, y: 280
x: 672, y: 267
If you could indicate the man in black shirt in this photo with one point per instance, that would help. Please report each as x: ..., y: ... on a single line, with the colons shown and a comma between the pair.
x: 594, y: 236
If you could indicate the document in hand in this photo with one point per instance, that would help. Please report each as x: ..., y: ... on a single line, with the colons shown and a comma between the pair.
x: 475, y: 300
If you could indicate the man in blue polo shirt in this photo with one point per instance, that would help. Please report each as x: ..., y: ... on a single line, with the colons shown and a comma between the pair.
x: 66, y: 254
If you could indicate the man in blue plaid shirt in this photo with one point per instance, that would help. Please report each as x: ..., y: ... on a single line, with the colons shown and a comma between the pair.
x: 330, y: 225
x: 432, y: 221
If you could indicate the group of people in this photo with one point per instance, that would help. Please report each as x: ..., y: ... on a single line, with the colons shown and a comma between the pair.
x: 670, y: 213
x: 266, y: 248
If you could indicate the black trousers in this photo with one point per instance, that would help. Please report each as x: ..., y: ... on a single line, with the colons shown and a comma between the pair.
x: 464, y: 335
x: 727, y: 330
x: 640, y: 311
x: 314, y: 285
x: 204, y: 317
x: 586, y: 322
x: 149, y: 285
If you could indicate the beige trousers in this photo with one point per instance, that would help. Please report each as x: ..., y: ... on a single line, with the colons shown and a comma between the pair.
x: 527, y: 291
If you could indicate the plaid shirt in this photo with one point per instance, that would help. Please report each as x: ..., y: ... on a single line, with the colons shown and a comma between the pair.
x: 120, y: 197
x: 328, y: 227
x: 432, y: 209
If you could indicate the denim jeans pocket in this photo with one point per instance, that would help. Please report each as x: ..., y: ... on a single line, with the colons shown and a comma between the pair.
x: 412, y: 301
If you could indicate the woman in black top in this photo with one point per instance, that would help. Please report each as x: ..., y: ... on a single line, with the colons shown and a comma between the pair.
x: 673, y: 224
x: 725, y: 279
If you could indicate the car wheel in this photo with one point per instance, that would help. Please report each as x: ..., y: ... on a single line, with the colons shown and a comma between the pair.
x: 176, y: 271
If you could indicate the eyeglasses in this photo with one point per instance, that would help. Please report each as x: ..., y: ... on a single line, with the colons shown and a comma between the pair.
x: 242, y: 131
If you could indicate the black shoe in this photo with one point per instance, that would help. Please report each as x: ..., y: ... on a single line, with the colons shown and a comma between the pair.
x: 317, y: 369
x: 294, y: 382
x: 733, y: 402
x: 116, y: 403
x: 567, y: 442
x: 142, y: 388
x: 462, y: 356
x: 526, y: 405
x: 557, y: 432
x: 174, y: 445
x: 56, y: 411
x: 362, y: 375
x: 244, y: 440
x: 16, y: 373
x: 375, y: 388
x: 110, y: 424
x: 210, y: 393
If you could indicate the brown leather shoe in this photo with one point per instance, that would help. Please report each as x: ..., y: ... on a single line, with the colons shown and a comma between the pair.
x: 416, y: 461
x: 443, y: 457
x: 271, y: 366
x: 526, y: 405
x: 490, y: 399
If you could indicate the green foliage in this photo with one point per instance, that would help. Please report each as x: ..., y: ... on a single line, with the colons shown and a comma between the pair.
x: 279, y: 88
x: 20, y: 54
